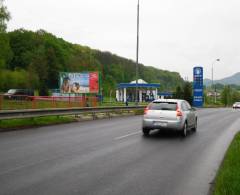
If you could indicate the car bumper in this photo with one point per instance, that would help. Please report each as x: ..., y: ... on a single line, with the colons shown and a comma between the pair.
x: 161, y: 124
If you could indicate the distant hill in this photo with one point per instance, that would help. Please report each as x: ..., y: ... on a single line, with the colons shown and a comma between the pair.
x: 207, y: 82
x: 232, y: 80
x: 34, y: 59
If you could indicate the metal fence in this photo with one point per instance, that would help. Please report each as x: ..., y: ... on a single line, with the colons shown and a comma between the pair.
x: 15, y: 102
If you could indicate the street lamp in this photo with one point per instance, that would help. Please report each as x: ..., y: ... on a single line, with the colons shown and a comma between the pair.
x: 215, y: 95
x: 136, y: 99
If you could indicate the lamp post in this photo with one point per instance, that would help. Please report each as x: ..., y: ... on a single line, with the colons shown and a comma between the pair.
x: 136, y: 99
x: 214, y: 87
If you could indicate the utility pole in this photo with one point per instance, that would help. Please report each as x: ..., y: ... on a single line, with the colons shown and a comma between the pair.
x: 213, y: 86
x: 137, y: 52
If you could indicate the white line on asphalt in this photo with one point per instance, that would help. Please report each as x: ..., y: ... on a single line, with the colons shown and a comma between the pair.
x: 124, y: 136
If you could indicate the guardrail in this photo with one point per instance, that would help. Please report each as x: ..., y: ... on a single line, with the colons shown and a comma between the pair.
x: 17, y: 114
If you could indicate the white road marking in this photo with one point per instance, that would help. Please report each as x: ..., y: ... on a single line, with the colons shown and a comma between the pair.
x: 124, y: 136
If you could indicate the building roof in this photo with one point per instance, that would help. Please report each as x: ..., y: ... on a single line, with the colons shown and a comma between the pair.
x: 141, y: 84
x: 140, y: 81
x: 165, y: 93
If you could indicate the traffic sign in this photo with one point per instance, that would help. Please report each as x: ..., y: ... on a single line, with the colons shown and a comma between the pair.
x: 198, y: 86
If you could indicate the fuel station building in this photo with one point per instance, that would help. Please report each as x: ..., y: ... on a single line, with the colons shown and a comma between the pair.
x: 146, y: 91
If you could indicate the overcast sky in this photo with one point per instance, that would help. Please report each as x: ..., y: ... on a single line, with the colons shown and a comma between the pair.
x: 175, y: 35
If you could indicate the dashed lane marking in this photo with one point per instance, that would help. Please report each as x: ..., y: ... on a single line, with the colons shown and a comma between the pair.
x: 125, y: 136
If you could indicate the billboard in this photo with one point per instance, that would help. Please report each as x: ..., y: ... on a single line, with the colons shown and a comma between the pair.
x: 87, y: 82
x: 198, y: 86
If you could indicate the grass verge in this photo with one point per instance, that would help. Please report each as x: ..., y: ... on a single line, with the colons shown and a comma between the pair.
x: 34, y: 122
x: 228, y: 178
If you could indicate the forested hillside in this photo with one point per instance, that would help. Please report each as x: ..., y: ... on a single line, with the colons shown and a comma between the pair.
x: 34, y: 59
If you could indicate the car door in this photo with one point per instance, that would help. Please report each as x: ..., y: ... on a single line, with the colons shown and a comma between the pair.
x: 186, y: 113
x: 191, y: 114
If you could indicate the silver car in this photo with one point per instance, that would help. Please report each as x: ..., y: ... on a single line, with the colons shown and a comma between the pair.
x: 169, y: 114
x: 236, y: 105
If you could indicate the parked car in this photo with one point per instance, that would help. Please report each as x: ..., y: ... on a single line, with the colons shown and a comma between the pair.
x: 169, y: 114
x: 236, y: 105
x: 18, y: 93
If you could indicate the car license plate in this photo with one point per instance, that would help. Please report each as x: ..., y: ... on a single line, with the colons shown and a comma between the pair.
x: 161, y: 124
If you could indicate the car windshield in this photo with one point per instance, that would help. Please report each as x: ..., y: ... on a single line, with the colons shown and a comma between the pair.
x: 163, y: 106
x: 11, y: 90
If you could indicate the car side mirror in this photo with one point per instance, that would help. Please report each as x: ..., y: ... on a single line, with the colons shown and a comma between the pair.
x: 193, y: 109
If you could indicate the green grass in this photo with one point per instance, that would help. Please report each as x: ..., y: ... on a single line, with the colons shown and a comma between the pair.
x: 228, y: 177
x: 34, y: 122
x: 213, y: 106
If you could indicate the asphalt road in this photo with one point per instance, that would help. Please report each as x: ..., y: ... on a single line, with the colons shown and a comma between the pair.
x: 112, y: 157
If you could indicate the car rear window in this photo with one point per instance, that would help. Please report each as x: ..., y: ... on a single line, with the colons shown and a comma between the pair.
x: 163, y: 106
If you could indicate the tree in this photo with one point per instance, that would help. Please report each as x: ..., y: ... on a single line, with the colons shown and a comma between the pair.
x: 235, y: 96
x: 33, y: 78
x: 43, y: 55
x: 178, y: 93
x: 5, y: 50
x: 187, y: 92
x: 23, y: 43
x: 53, y: 68
x: 4, y: 17
x: 39, y: 62
x: 226, y: 96
x: 14, y: 79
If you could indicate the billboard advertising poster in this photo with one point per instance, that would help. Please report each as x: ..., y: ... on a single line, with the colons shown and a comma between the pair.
x: 79, y: 82
x: 198, y: 86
